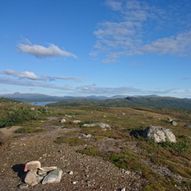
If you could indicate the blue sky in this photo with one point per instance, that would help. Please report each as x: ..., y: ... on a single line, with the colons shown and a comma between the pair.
x: 96, y: 47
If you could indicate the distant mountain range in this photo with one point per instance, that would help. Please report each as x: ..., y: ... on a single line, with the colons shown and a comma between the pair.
x: 151, y: 101
x: 33, y: 97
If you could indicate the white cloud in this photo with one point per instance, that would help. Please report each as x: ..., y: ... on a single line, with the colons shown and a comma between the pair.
x: 179, y: 44
x: 25, y: 74
x: 27, y: 83
x: 133, y: 32
x: 42, y: 51
x: 32, y: 76
x: 116, y: 5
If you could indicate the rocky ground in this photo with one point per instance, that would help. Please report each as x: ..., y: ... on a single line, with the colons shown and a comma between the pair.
x: 80, y: 172
x: 102, y: 149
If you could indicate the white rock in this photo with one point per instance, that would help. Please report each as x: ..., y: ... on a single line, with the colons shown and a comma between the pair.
x: 71, y: 173
x: 76, y: 121
x: 126, y: 171
x: 74, y: 182
x: 31, y: 178
x: 63, y: 120
x: 101, y: 125
x: 160, y: 134
x: 32, y: 165
x: 104, y: 125
x: 87, y: 136
x: 89, y: 125
x: 170, y: 136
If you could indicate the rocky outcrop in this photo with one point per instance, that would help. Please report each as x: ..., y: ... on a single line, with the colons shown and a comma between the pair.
x: 159, y: 134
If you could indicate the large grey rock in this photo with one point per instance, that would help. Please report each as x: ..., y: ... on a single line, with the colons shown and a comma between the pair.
x: 53, y: 176
x: 159, y: 134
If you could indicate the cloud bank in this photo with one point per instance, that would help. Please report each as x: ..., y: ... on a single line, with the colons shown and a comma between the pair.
x: 41, y: 51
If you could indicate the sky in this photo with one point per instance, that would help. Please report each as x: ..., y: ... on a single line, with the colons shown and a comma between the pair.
x: 96, y: 47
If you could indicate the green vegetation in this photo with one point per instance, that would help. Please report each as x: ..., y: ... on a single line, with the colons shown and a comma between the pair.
x: 15, y: 112
x: 91, y: 151
x: 182, y: 146
x: 28, y: 130
x: 151, y: 102
x: 72, y: 141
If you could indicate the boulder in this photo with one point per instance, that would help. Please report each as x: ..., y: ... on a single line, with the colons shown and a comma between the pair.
x: 159, y: 134
x: 53, y: 176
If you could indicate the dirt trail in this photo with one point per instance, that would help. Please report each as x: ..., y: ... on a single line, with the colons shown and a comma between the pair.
x: 90, y: 173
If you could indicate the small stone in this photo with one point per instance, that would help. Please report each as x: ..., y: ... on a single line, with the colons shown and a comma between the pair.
x: 76, y: 121
x: 71, y: 173
x: 126, y: 171
x: 174, y: 123
x: 86, y: 136
x: 63, y: 120
x: 32, y: 108
x: 23, y: 186
x: 74, y: 182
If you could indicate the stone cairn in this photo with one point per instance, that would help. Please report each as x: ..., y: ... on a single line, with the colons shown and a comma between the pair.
x: 36, y: 174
